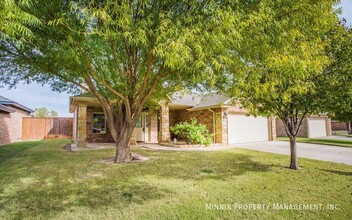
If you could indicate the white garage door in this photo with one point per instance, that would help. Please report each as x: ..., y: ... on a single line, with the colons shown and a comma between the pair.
x: 243, y: 129
x: 317, y: 127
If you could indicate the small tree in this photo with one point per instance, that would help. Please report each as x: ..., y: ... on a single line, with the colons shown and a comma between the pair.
x: 53, y: 114
x: 44, y: 112
x: 345, y: 117
x: 41, y: 112
x: 280, y: 73
x: 337, y: 79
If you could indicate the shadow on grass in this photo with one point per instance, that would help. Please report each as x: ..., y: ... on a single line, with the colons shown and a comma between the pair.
x: 206, y: 165
x: 52, y: 180
x: 339, y: 172
x: 40, y: 200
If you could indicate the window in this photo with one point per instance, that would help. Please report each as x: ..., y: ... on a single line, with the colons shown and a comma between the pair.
x: 139, y: 123
x: 99, y: 125
x: 146, y: 121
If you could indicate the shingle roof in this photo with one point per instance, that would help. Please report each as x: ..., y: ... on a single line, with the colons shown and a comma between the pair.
x: 5, y: 102
x: 84, y: 95
x: 193, y: 100
x: 199, y: 101
x: 179, y: 98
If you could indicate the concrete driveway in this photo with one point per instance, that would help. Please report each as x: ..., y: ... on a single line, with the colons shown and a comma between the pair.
x: 312, y: 151
x: 345, y: 138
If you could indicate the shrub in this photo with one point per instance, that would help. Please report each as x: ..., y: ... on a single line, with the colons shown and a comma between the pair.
x: 193, y: 132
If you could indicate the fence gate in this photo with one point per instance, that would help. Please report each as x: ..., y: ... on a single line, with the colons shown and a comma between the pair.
x: 45, y: 128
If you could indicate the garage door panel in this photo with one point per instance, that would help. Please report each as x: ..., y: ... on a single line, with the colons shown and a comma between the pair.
x: 243, y: 129
x: 317, y: 127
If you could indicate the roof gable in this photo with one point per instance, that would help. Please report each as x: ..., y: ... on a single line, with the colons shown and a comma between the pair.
x: 5, y: 102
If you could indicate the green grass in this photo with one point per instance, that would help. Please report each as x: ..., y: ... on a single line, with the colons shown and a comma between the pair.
x: 341, y: 133
x: 40, y: 180
x: 324, y: 141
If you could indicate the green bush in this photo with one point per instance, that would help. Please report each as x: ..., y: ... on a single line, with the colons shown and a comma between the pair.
x: 193, y: 132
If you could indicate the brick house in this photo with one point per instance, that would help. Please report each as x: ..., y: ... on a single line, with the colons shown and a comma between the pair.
x: 229, y: 123
x: 312, y: 126
x: 11, y: 114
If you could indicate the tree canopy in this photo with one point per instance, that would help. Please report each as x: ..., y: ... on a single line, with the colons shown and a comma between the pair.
x: 125, y: 53
x: 338, y: 91
x: 44, y: 112
x: 282, y: 61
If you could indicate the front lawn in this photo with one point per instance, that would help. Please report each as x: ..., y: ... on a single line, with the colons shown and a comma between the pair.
x: 40, y: 180
x: 341, y: 133
x: 324, y: 141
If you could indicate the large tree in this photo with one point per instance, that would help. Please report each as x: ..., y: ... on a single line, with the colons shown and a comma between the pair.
x: 125, y: 52
x: 287, y: 56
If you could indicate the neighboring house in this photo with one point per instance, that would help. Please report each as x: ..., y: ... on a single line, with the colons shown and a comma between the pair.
x: 11, y: 114
x: 312, y: 126
x: 338, y: 126
x: 228, y: 123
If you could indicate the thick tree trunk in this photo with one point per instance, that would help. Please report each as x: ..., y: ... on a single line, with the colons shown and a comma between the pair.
x: 349, y: 127
x: 123, y: 152
x: 293, y: 151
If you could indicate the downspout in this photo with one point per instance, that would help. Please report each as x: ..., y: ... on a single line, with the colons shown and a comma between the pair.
x: 213, y: 124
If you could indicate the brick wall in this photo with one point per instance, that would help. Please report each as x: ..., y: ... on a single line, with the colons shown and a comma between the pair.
x: 280, y: 128
x: 203, y: 116
x: 96, y: 138
x: 11, y: 126
x: 335, y: 126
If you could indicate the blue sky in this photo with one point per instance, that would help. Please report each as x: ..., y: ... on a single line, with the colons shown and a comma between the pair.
x: 36, y: 96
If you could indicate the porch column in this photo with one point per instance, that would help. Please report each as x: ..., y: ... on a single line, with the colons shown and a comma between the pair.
x: 164, y: 123
x: 221, y: 136
x: 272, y: 128
x: 153, y: 128
x: 328, y: 126
x: 82, y: 126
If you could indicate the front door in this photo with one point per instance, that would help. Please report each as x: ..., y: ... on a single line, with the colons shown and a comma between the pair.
x: 141, y: 128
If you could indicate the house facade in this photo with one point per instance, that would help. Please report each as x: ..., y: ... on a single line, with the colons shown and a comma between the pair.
x: 11, y: 115
x: 312, y: 126
x: 229, y: 123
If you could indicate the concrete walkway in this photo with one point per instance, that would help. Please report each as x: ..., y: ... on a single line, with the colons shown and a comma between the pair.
x: 210, y: 148
x: 312, y: 151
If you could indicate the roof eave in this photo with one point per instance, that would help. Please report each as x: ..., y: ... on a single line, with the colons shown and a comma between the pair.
x: 209, y: 107
x: 6, y: 109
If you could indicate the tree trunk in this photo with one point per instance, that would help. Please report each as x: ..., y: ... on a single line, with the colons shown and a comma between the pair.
x: 292, y: 123
x: 293, y: 151
x: 349, y: 127
x: 123, y: 152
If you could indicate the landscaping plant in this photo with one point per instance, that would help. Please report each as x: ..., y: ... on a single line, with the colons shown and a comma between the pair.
x: 193, y: 132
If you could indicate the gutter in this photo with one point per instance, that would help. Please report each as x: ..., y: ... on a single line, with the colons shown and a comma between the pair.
x: 213, y: 124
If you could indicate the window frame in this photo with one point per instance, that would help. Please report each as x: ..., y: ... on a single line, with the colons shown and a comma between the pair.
x: 98, y: 113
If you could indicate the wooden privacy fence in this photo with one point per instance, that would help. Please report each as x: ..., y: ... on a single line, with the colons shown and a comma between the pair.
x: 45, y: 128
